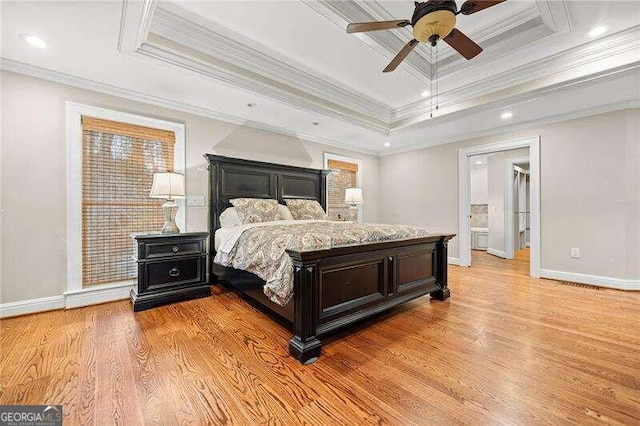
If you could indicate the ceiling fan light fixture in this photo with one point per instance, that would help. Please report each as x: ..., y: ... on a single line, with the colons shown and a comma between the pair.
x: 598, y: 31
x: 439, y: 22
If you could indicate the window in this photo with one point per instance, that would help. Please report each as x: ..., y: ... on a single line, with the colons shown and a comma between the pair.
x: 118, y: 163
x: 112, y: 158
x: 345, y: 173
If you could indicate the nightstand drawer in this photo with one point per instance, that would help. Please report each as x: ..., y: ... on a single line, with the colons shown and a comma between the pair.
x: 173, y: 272
x: 173, y: 249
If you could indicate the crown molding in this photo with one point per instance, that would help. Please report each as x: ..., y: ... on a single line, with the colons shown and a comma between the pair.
x: 498, y: 47
x: 387, y: 43
x: 62, y: 78
x: 602, y: 109
x: 82, y: 83
x: 191, y: 42
x: 585, y: 55
x: 543, y: 90
x: 555, y: 14
x: 420, y: 63
x: 231, y: 58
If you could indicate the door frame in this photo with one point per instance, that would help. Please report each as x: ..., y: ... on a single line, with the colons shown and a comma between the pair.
x: 464, y: 196
x: 508, y: 211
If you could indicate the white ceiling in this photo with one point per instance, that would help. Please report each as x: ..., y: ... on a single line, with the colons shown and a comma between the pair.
x: 296, y: 62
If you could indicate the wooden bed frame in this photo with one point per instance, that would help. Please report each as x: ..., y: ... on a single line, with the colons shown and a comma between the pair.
x: 333, y: 288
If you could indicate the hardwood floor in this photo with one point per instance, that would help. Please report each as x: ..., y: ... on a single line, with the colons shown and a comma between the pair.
x: 504, y: 349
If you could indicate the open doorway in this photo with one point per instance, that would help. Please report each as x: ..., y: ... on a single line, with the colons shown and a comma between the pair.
x: 499, y: 202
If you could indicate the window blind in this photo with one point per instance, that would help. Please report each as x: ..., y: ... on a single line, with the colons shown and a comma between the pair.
x: 118, y: 163
x: 342, y: 165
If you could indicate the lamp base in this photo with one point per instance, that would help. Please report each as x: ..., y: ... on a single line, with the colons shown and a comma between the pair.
x: 170, y: 208
x: 353, y: 212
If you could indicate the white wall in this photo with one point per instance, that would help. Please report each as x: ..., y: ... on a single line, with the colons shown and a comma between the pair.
x: 590, y: 192
x: 632, y: 193
x: 479, y: 185
x: 33, y: 174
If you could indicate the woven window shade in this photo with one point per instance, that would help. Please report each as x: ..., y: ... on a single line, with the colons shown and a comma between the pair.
x: 118, y: 163
x: 342, y: 165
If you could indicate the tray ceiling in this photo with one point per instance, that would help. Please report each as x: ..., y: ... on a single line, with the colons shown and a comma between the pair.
x: 295, y: 60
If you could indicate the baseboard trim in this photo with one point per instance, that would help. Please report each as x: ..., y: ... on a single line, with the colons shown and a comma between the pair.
x: 600, y: 281
x: 70, y: 300
x: 31, y: 306
x: 453, y: 261
x: 95, y: 296
x: 497, y: 253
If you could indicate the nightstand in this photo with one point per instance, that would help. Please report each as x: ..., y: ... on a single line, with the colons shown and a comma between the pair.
x: 171, y: 268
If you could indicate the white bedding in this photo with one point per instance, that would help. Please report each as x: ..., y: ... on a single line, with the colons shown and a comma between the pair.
x: 226, y: 238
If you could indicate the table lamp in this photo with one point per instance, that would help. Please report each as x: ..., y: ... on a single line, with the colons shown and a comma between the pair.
x: 168, y: 186
x: 353, y: 197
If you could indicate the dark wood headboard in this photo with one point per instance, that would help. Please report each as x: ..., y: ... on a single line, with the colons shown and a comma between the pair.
x: 235, y: 178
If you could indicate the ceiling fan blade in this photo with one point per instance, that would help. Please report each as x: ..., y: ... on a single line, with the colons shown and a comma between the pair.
x: 463, y: 44
x: 375, y: 26
x: 400, y: 56
x: 473, y: 6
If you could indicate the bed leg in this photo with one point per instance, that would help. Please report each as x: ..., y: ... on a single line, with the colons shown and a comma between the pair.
x: 304, y: 346
x: 306, y: 352
x: 441, y: 275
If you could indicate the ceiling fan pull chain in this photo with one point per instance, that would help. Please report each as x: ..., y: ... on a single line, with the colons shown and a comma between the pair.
x: 431, y: 85
x: 437, y: 77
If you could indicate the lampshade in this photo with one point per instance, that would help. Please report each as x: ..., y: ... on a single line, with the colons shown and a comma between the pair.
x: 353, y: 196
x: 167, y: 185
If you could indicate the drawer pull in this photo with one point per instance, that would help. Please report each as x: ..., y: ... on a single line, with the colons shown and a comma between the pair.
x: 175, y: 249
x: 174, y: 272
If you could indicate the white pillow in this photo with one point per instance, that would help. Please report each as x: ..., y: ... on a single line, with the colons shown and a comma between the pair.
x: 229, y: 217
x: 285, y: 212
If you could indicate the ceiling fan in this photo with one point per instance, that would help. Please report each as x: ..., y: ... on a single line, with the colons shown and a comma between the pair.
x: 432, y: 21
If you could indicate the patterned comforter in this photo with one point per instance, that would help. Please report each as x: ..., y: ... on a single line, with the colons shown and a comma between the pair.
x: 260, y: 248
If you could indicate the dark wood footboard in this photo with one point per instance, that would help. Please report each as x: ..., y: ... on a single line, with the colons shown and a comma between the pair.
x: 337, y: 287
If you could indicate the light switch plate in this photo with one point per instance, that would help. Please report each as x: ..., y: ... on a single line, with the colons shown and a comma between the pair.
x: 195, y: 200
x: 575, y: 252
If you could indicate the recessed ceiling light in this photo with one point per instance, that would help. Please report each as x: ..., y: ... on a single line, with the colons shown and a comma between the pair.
x: 425, y: 93
x: 478, y: 163
x: 597, y: 31
x: 387, y: 144
x: 252, y: 105
x: 316, y: 123
x: 33, y: 40
x: 506, y: 115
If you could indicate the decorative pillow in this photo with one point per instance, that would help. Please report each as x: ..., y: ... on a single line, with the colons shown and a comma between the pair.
x: 254, y: 210
x: 285, y: 212
x: 305, y: 209
x: 229, y: 217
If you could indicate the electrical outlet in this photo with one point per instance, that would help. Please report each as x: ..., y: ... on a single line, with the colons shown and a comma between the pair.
x: 575, y: 252
x: 195, y: 200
